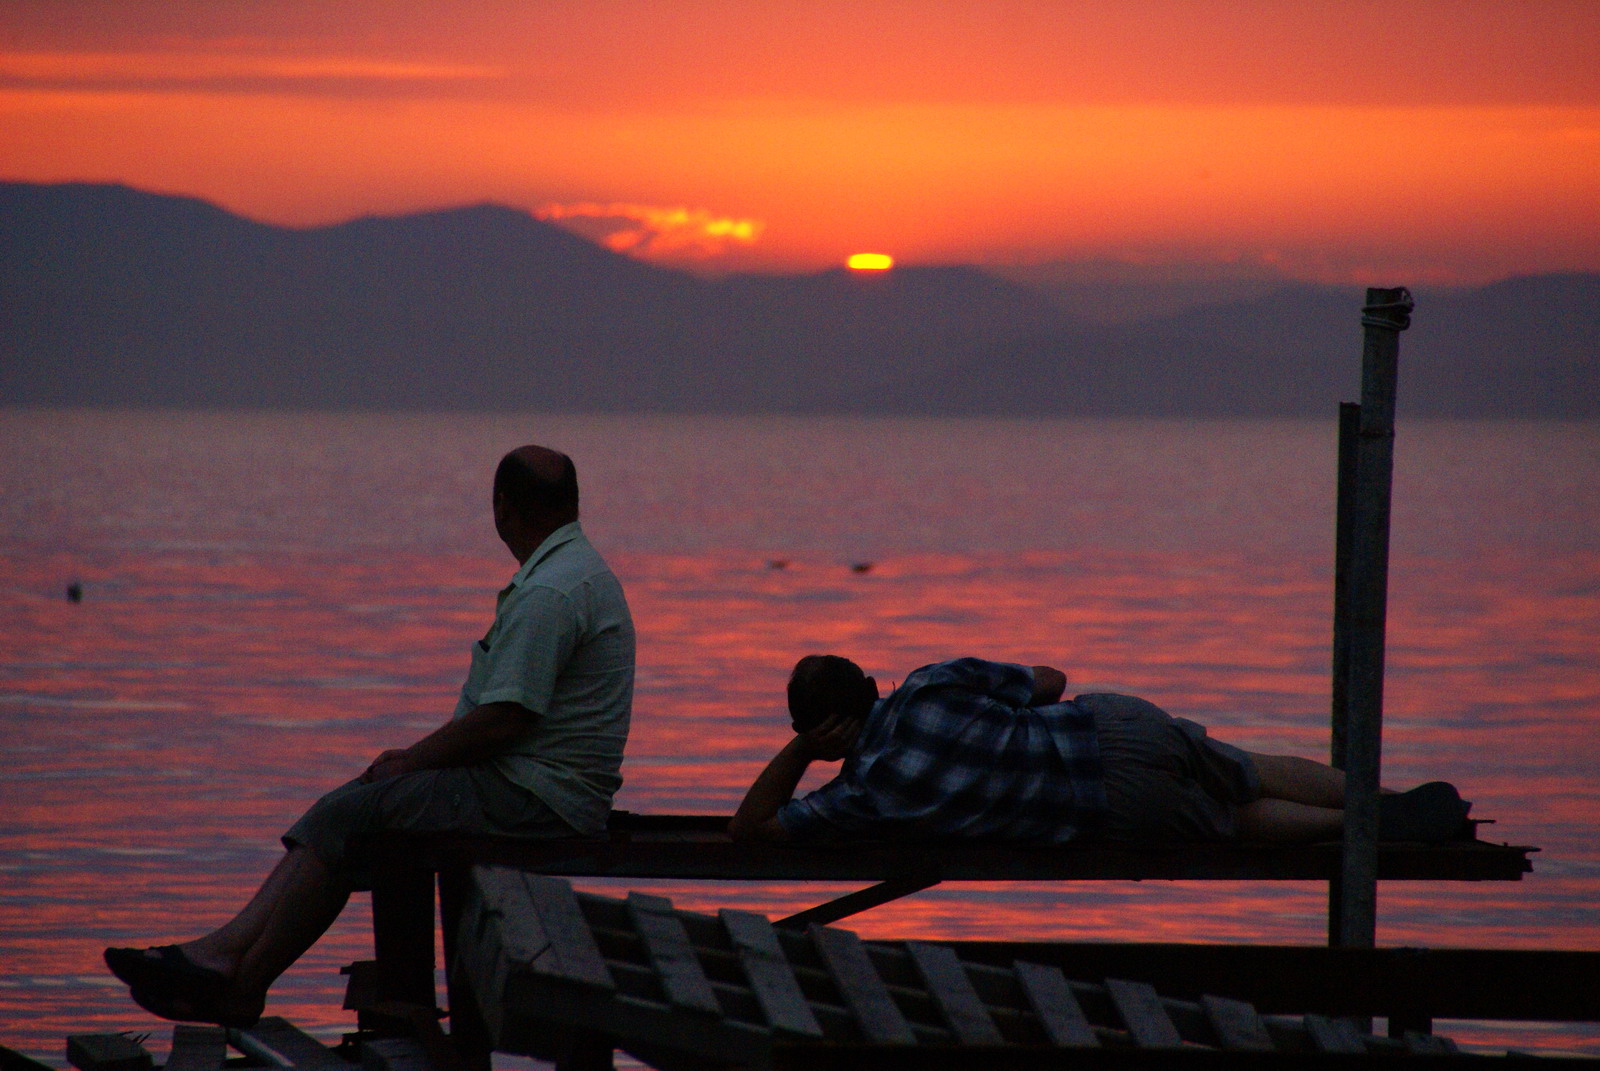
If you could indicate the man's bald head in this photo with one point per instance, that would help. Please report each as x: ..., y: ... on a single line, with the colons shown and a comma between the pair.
x: 538, y: 485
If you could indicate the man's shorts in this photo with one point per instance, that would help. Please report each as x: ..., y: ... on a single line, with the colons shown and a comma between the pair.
x: 1165, y: 779
x: 472, y: 800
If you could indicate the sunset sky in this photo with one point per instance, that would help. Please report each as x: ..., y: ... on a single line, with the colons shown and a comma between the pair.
x: 1402, y: 141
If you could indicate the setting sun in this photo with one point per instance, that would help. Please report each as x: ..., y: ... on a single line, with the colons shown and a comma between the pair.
x: 870, y: 262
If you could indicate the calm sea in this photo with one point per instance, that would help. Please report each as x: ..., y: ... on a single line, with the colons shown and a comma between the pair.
x: 271, y: 600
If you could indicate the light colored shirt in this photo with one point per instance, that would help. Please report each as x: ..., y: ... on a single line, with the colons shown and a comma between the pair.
x: 956, y: 753
x: 562, y: 645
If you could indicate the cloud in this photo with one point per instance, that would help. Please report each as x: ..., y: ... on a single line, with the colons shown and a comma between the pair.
x: 654, y: 230
x: 227, y: 71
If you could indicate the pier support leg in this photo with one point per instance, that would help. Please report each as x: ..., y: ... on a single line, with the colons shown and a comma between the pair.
x: 468, y: 1032
x: 1386, y: 314
x: 402, y: 931
x: 1344, y: 525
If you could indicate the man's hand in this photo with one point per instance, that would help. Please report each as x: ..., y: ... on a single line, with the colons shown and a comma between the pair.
x: 831, y: 739
x: 391, y: 763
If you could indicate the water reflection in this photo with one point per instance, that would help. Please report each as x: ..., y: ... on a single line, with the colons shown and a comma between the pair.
x: 162, y: 732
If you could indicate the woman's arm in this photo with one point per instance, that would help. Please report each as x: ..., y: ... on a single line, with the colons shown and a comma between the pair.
x: 757, y: 817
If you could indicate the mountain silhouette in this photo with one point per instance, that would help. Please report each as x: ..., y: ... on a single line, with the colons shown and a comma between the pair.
x: 111, y: 296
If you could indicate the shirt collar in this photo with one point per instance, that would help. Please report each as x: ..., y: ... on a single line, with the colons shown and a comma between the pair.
x: 563, y: 535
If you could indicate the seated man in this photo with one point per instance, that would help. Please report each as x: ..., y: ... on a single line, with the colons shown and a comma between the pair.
x: 976, y: 750
x: 534, y: 749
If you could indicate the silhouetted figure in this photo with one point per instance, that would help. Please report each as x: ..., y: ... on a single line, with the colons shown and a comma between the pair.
x: 74, y: 592
x: 989, y: 751
x: 534, y: 749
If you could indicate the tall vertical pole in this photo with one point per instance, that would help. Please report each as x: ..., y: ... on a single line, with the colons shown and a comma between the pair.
x: 1349, y: 434
x: 1387, y: 313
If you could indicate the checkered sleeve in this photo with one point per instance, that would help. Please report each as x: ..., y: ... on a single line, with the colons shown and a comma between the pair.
x: 839, y: 808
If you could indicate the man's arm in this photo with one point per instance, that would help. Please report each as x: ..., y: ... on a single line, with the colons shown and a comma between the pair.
x: 480, y: 734
x: 1049, y: 684
x: 757, y: 817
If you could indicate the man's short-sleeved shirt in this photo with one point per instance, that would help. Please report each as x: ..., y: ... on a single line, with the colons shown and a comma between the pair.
x: 562, y: 645
x: 957, y: 753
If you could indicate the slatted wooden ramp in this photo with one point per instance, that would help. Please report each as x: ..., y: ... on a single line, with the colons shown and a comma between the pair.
x: 557, y: 971
x: 271, y: 1043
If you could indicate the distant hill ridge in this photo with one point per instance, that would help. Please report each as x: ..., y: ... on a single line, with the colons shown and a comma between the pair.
x: 111, y: 296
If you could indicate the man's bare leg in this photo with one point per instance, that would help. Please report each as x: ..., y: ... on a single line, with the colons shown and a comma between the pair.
x: 293, y: 908
x: 223, y: 948
x: 311, y: 899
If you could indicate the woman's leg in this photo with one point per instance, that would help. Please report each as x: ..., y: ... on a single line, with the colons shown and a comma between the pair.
x: 1298, y: 780
x: 1281, y: 820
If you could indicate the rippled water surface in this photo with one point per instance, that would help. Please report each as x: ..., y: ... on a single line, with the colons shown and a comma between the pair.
x: 269, y: 601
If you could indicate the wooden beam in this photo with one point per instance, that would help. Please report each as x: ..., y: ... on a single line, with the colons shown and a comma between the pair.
x: 1142, y: 1012
x: 1237, y: 1026
x: 1050, y: 996
x: 842, y: 907
x: 1333, y: 1035
x: 771, y: 978
x: 106, y: 1052
x: 197, y: 1048
x: 666, y: 943
x: 1445, y: 983
x: 1386, y: 314
x: 864, y: 993
x: 712, y: 857
x: 947, y: 982
x: 541, y: 926
x: 275, y: 1040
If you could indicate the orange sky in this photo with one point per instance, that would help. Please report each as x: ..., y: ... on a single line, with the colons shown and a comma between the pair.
x: 1401, y: 141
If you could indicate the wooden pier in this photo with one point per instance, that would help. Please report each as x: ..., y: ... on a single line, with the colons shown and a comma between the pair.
x: 536, y: 968
x: 569, y: 976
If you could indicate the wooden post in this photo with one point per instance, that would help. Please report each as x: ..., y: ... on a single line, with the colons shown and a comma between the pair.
x: 1349, y: 432
x: 1386, y: 314
x: 402, y: 930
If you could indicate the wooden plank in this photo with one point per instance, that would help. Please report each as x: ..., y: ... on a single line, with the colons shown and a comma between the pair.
x: 106, y: 1052
x: 1333, y: 1035
x: 394, y: 1054
x: 1429, y: 1044
x: 878, y: 1016
x: 275, y: 1040
x: 541, y: 926
x: 1050, y: 996
x: 197, y: 1048
x: 714, y: 857
x: 667, y: 944
x: 1291, y: 980
x: 1238, y: 1027
x: 573, y: 953
x: 402, y: 929
x: 952, y: 991
x: 1146, y: 1017
x: 1386, y: 313
x: 771, y: 977
x: 862, y: 899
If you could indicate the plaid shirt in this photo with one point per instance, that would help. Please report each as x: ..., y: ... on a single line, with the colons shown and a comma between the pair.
x: 956, y: 753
